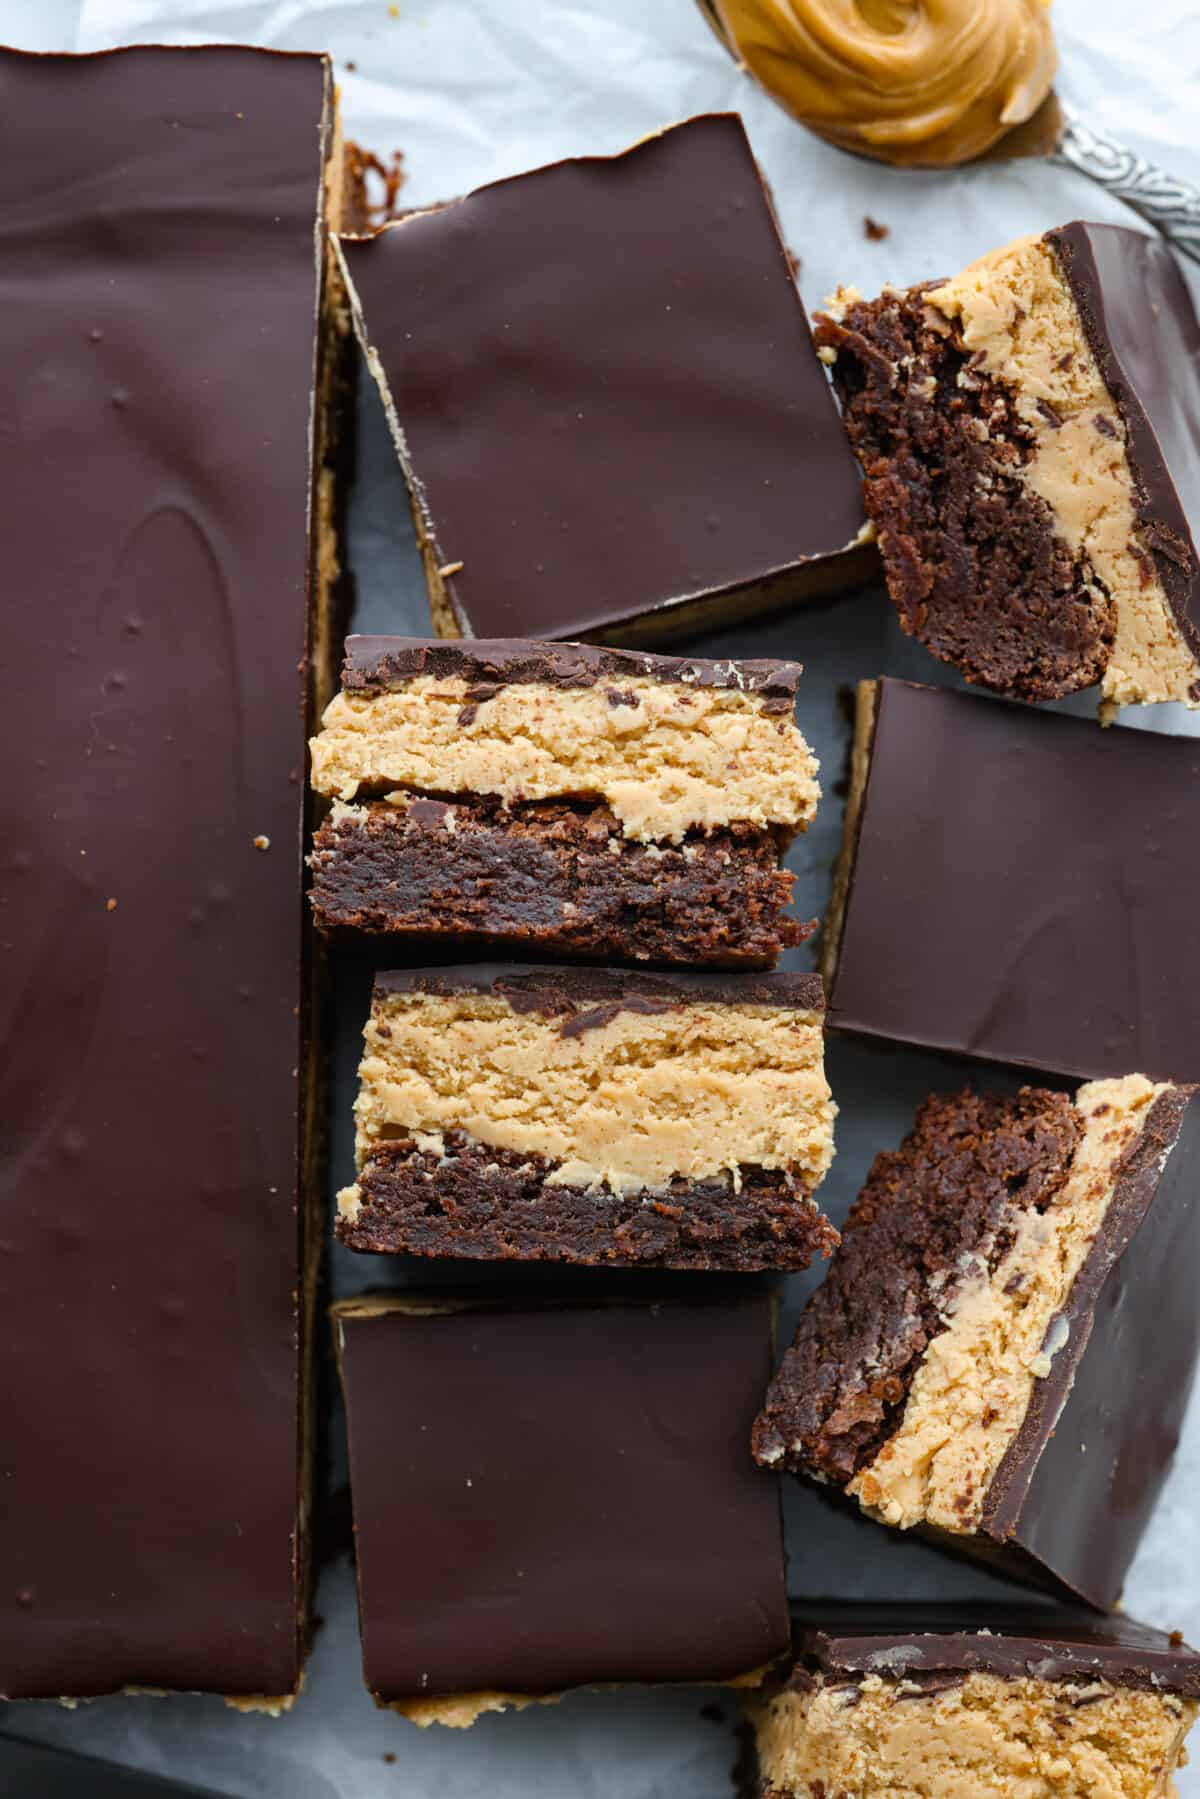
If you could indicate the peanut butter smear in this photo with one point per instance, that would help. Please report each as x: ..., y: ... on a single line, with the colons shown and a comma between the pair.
x: 926, y: 82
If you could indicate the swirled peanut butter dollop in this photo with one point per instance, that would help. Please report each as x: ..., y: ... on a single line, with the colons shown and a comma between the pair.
x: 906, y: 81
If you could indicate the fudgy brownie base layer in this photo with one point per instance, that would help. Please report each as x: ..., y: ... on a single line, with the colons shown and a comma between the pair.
x: 479, y: 1203
x: 974, y: 561
x: 559, y: 878
x: 944, y: 1197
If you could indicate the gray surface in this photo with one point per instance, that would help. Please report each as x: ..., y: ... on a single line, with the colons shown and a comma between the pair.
x: 472, y: 88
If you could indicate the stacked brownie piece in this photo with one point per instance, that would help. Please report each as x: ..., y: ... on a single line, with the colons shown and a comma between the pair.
x: 593, y: 1116
x: 517, y: 794
x: 561, y: 800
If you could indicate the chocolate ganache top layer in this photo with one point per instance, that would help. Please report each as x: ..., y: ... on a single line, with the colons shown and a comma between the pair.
x: 1142, y: 326
x: 596, y: 994
x: 160, y: 230
x: 648, y: 420
x: 550, y: 1471
x: 1014, y: 1641
x: 1023, y: 889
x: 383, y: 662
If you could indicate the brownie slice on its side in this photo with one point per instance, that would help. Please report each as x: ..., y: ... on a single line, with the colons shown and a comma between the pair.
x: 558, y: 1496
x: 593, y: 1116
x: 1002, y: 1351
x: 974, y: 1702
x: 562, y: 800
x: 1027, y: 431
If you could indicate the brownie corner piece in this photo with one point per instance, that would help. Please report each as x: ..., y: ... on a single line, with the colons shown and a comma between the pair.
x: 623, y: 390
x: 562, y: 800
x: 483, y: 1486
x: 976, y: 1363
x: 1026, y: 434
x: 593, y: 1116
x: 960, y: 1699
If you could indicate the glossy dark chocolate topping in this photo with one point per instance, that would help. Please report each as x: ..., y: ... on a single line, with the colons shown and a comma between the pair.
x: 606, y: 382
x: 161, y: 286
x: 591, y: 996
x: 384, y: 662
x: 1079, y: 1484
x: 903, y: 1641
x: 535, y: 1491
x: 1143, y: 330
x: 1024, y: 889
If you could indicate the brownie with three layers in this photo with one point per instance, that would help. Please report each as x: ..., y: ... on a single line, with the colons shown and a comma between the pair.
x: 1028, y: 435
x: 973, y: 1702
x: 593, y: 1116
x: 561, y: 800
x: 1003, y: 1349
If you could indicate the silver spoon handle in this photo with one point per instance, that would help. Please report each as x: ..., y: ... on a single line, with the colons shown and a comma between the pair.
x: 1172, y: 206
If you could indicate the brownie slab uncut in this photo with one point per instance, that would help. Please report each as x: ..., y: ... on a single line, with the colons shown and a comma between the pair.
x: 561, y: 799
x: 1018, y: 886
x: 607, y: 428
x: 168, y: 317
x: 535, y: 1491
x: 593, y: 1116
x: 1027, y: 431
x: 1003, y: 1349
x: 946, y: 1702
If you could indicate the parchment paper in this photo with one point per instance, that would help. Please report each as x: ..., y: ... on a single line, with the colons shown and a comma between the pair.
x: 472, y: 90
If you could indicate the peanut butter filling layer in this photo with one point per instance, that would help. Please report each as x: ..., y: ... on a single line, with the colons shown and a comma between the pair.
x: 988, y: 1738
x: 458, y: 1711
x: 973, y: 1387
x: 666, y: 758
x: 1017, y: 317
x: 626, y: 1104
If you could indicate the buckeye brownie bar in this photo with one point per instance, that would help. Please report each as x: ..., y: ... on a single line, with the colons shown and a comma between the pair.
x: 1028, y: 432
x: 1017, y: 886
x: 558, y: 1496
x: 992, y: 1702
x: 607, y: 429
x: 1003, y: 1348
x: 593, y: 1116
x: 173, y: 339
x: 564, y: 800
